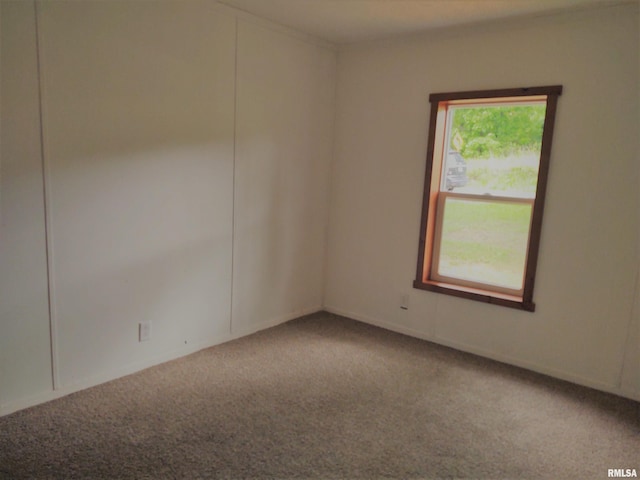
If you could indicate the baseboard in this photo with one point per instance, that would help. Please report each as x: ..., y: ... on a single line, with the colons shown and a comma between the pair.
x: 559, y: 374
x: 31, y: 401
x: 108, y: 376
x: 14, y: 406
x: 273, y: 322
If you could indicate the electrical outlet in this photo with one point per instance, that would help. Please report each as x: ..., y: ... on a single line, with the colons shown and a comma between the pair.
x: 144, y: 331
x: 404, y: 302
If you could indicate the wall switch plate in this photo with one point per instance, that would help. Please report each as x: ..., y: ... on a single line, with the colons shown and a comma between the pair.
x: 144, y: 331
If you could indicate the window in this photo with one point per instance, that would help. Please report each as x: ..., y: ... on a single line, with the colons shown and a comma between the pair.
x: 487, y: 162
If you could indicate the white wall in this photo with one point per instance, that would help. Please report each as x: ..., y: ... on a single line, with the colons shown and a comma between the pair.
x: 138, y: 123
x: 284, y: 144
x: 149, y: 174
x: 588, y: 259
x: 187, y: 150
x: 25, y: 355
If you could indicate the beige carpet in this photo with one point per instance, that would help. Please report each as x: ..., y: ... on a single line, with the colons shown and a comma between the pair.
x: 325, y: 397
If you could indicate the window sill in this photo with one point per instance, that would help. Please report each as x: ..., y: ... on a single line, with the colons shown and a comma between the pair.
x: 476, y: 294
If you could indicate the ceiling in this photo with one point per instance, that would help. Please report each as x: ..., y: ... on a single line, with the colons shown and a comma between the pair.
x: 348, y: 21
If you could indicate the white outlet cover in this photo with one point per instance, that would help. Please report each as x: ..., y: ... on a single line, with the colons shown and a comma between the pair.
x: 144, y: 331
x: 404, y: 302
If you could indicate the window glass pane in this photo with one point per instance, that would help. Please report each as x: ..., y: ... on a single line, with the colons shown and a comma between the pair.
x: 485, y: 241
x: 494, y: 149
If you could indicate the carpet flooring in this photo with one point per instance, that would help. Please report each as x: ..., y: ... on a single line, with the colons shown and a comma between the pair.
x: 325, y: 397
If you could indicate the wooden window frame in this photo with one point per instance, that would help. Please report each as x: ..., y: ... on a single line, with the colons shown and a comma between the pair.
x: 428, y: 241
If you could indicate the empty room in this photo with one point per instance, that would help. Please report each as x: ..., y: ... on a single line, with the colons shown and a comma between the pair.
x: 313, y: 239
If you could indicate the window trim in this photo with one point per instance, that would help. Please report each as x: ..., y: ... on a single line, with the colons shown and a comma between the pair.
x: 431, y: 191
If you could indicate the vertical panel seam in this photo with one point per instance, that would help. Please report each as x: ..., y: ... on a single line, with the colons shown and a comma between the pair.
x: 46, y: 189
x: 628, y: 340
x: 330, y: 186
x: 233, y: 178
x: 2, y: 371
